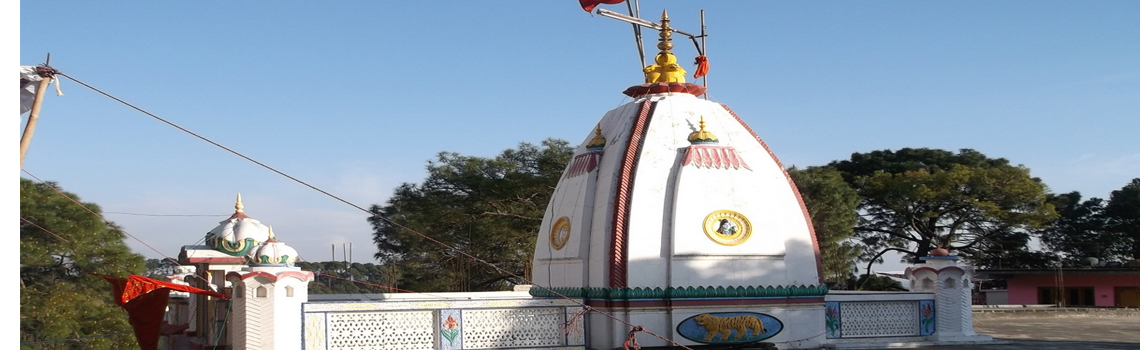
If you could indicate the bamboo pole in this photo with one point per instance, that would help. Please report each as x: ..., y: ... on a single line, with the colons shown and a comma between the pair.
x: 26, y: 138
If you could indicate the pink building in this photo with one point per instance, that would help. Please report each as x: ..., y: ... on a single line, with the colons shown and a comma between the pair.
x: 1117, y: 286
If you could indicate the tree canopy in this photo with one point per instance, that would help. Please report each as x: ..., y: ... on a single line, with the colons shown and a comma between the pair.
x: 62, y: 306
x: 350, y: 278
x: 832, y: 205
x: 1080, y: 230
x: 918, y: 199
x: 1122, y: 217
x: 489, y: 208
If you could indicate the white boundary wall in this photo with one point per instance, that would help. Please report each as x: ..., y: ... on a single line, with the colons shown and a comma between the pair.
x: 445, y: 321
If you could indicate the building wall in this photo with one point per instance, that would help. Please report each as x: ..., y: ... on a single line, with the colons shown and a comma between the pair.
x: 997, y: 297
x: 1023, y: 289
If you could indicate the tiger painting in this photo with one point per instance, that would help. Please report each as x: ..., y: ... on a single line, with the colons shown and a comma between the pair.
x: 724, y: 326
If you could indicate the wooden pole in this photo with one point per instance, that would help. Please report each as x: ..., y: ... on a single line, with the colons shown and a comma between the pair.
x: 26, y: 138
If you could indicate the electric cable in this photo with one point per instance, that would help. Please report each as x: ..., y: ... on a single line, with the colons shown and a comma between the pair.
x: 377, y: 214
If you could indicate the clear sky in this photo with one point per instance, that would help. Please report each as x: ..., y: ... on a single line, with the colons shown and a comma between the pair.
x: 355, y: 97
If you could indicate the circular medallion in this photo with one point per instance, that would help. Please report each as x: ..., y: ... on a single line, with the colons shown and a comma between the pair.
x: 560, y: 233
x: 727, y: 227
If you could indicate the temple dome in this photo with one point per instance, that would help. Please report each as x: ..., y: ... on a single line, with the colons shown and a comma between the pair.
x: 272, y: 253
x: 237, y: 234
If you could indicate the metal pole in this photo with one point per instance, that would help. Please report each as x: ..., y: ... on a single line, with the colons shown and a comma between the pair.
x: 704, y: 51
x: 637, y: 33
x: 26, y: 139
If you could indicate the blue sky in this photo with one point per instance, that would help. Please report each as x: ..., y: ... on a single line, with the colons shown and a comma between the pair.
x: 356, y: 97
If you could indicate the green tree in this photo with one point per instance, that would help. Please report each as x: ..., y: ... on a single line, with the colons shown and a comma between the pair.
x: 876, y: 283
x: 832, y: 205
x: 1122, y: 215
x: 918, y: 199
x: 160, y: 268
x: 339, y: 277
x: 60, y: 244
x: 1080, y: 230
x: 1008, y: 249
x: 489, y: 208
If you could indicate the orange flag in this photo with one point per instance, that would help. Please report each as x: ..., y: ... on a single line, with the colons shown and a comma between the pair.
x: 145, y: 302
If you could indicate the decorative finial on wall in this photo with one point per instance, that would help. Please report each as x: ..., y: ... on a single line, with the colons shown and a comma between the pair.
x: 598, y: 142
x: 703, y: 136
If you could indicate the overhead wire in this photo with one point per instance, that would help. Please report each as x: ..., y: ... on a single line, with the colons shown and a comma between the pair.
x: 97, y: 215
x: 142, y: 214
x: 44, y: 229
x: 377, y: 214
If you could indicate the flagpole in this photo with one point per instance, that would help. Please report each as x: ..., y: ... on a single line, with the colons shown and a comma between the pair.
x: 705, y: 51
x: 37, y: 102
x: 636, y: 32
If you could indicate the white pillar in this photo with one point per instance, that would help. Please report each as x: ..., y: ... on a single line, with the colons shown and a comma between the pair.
x: 950, y: 283
x: 267, y: 307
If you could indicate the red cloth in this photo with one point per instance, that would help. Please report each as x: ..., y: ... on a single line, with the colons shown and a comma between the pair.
x: 702, y: 67
x: 145, y: 300
x: 589, y: 5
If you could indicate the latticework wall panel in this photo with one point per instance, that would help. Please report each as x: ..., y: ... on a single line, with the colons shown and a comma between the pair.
x: 513, y: 328
x: 879, y: 319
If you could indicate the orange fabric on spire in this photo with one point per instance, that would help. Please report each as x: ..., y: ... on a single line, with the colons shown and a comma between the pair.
x: 589, y: 5
x: 702, y: 67
x: 145, y: 300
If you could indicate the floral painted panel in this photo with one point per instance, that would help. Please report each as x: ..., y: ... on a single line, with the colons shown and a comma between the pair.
x: 926, y: 317
x: 450, y: 329
x: 832, y: 319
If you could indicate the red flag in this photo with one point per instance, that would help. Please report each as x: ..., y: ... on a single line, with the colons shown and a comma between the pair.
x: 145, y: 302
x: 589, y: 5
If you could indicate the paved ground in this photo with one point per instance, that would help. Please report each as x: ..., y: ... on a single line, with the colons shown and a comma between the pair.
x: 1058, y: 330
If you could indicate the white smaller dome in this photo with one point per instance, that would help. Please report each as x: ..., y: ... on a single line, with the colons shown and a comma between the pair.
x: 272, y: 253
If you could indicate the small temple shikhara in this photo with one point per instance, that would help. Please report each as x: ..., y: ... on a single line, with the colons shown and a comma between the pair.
x: 674, y: 225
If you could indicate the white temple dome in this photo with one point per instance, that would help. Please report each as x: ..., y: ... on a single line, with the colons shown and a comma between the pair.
x: 238, y: 234
x: 272, y: 253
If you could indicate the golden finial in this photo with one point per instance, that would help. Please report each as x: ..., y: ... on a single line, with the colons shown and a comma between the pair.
x: 666, y: 70
x: 272, y: 237
x: 598, y: 142
x: 702, y: 136
x: 238, y: 207
x: 666, y: 42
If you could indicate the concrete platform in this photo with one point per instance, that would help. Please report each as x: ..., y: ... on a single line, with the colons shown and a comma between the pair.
x: 1085, y: 329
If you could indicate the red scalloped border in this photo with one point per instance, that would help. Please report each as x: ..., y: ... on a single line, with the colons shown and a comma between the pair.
x: 661, y: 88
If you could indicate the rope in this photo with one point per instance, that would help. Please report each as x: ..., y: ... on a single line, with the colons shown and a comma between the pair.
x: 376, y: 285
x: 377, y: 214
x: 44, y: 229
x: 200, y: 137
x: 140, y: 214
x: 631, y: 341
x: 96, y: 214
x: 225, y: 321
x: 570, y: 323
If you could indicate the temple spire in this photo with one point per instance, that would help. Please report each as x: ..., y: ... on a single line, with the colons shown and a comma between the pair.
x: 666, y: 69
